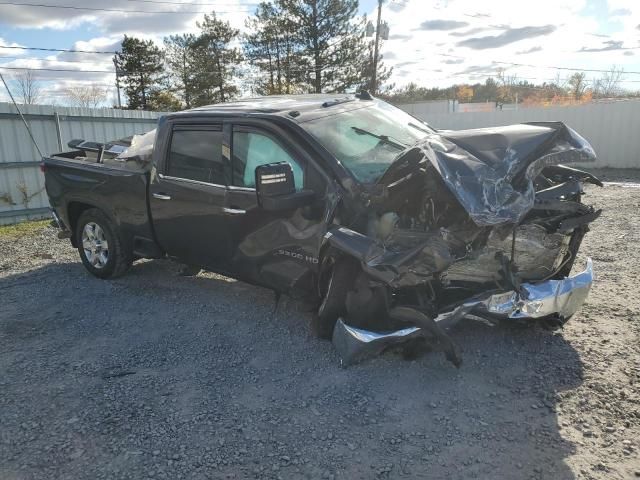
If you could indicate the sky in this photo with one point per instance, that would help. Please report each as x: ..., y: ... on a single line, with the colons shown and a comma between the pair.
x: 431, y: 42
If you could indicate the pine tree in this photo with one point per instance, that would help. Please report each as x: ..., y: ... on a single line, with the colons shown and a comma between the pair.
x: 215, y: 62
x: 180, y: 55
x: 274, y: 52
x: 332, y: 42
x: 140, y: 66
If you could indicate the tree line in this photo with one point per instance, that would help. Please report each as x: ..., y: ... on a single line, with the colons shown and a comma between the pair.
x: 291, y: 46
x: 508, y: 89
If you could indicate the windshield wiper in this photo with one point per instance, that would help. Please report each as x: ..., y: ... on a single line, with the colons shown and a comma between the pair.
x: 382, y: 138
x: 418, y: 127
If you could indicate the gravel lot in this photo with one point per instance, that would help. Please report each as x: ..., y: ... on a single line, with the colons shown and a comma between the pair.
x: 155, y: 375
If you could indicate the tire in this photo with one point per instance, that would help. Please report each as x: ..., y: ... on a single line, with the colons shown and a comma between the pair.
x: 336, y: 280
x: 100, y: 245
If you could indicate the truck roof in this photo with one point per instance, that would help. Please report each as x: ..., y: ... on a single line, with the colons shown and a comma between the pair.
x: 296, y: 107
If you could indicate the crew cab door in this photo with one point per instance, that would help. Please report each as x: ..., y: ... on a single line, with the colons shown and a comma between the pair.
x: 188, y: 193
x: 278, y: 249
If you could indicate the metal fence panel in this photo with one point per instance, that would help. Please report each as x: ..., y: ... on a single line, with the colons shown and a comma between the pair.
x: 22, y: 194
x: 612, y: 128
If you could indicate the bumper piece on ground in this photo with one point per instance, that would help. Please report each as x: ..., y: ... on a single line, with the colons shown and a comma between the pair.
x: 561, y: 298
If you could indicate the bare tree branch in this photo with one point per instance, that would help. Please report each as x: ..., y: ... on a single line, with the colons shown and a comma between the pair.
x: 86, y: 96
x: 28, y: 87
x: 608, y: 85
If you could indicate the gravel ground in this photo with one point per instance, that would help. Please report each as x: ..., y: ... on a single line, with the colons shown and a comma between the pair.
x: 160, y: 376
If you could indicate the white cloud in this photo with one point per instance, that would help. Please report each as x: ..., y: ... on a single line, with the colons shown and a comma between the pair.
x: 431, y: 43
x: 9, y: 52
x: 549, y: 33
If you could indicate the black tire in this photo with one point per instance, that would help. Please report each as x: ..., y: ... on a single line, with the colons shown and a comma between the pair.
x: 336, y: 280
x: 118, y: 256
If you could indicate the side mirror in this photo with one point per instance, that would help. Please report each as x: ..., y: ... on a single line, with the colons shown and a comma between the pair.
x: 276, y: 189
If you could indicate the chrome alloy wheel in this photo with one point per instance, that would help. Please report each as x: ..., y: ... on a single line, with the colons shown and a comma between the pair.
x: 95, y: 246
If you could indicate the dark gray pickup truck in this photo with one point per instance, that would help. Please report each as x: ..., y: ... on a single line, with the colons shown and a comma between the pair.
x: 394, y: 230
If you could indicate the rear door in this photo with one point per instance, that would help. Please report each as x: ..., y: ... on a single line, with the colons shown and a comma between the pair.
x: 188, y: 194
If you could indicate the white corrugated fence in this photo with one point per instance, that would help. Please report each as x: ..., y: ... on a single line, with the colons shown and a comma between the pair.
x: 612, y: 128
x: 22, y: 194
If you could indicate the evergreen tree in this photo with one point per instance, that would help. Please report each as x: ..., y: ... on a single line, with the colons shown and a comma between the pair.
x: 276, y: 53
x: 215, y: 63
x: 333, y: 44
x: 140, y: 66
x: 180, y: 54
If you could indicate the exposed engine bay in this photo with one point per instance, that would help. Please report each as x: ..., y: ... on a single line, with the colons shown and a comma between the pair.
x: 480, y: 223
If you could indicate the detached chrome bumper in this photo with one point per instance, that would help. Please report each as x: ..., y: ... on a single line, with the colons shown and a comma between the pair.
x: 552, y: 297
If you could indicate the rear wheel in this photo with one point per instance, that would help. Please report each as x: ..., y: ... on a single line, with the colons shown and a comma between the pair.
x: 336, y: 280
x: 101, y: 248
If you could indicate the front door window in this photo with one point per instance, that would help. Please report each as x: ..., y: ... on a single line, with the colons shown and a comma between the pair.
x: 252, y: 149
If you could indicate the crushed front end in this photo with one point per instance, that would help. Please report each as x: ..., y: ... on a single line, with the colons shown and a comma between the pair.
x: 483, y: 224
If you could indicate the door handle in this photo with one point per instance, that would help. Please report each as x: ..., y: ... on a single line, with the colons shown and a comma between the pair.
x: 234, y: 211
x: 161, y: 196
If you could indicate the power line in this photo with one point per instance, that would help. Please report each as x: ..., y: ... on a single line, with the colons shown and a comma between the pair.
x: 548, y: 66
x: 56, y: 69
x: 38, y: 59
x: 563, y: 68
x: 95, y: 9
x: 124, y: 74
x: 193, y: 3
x: 54, y: 49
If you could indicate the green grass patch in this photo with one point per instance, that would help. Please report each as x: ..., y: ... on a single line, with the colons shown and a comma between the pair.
x: 24, y: 228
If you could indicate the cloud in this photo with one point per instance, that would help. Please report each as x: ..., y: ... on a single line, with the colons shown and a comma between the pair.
x: 129, y: 17
x: 441, y: 25
x: 476, y: 70
x: 629, y: 53
x: 607, y: 46
x: 100, y: 44
x: 620, y: 12
x: 478, y: 15
x: 10, y: 52
x: 400, y: 36
x: 505, y: 38
x: 151, y: 23
x: 453, y: 61
x: 397, y: 7
x: 405, y: 64
x: 529, y: 50
x: 471, y: 31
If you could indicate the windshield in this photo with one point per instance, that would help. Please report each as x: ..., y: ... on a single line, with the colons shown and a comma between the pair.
x: 367, y: 140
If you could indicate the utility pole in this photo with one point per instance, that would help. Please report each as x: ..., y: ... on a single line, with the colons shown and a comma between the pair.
x: 382, y: 32
x: 374, y: 85
x: 115, y: 64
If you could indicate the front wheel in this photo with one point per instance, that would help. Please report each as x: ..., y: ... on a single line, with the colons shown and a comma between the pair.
x: 336, y: 280
x: 101, y: 248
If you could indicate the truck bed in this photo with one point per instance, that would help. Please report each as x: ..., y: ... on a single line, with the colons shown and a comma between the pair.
x: 75, y: 181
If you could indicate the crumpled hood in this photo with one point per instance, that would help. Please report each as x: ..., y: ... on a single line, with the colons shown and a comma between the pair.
x: 490, y: 171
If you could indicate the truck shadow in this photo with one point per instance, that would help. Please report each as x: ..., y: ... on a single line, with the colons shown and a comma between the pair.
x: 201, y: 339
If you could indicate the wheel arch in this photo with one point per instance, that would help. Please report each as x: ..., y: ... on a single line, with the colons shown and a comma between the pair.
x: 75, y: 208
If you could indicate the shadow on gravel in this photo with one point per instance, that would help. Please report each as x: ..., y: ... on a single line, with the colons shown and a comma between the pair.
x: 156, y: 375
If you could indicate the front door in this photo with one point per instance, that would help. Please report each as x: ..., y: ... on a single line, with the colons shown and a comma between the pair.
x: 276, y: 249
x: 188, y: 195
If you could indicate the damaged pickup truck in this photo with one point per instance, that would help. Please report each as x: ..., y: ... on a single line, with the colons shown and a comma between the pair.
x: 394, y: 230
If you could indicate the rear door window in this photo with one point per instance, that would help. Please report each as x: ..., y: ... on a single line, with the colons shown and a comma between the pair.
x: 196, y: 154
